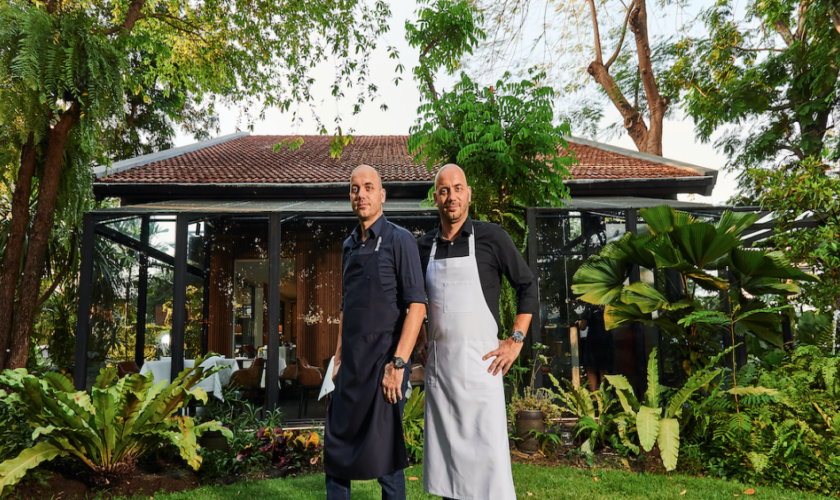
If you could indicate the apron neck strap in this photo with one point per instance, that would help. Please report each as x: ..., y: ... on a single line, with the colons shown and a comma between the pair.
x: 435, y: 242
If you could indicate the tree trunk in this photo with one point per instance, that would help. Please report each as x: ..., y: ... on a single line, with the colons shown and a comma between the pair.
x: 633, y: 121
x: 15, y: 244
x: 647, y: 140
x: 39, y: 237
x: 657, y: 105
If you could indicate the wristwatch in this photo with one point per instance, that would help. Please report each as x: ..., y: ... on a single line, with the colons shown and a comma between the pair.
x: 399, y: 363
x: 518, y: 336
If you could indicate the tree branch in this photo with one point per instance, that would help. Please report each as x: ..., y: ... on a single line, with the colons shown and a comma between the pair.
x: 834, y: 13
x: 657, y: 105
x: 599, y: 58
x: 623, y: 32
x: 131, y: 18
x: 633, y: 121
x: 784, y: 30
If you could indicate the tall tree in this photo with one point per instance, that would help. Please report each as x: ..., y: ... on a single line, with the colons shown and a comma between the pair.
x: 770, y: 93
x: 774, y: 70
x: 66, y: 66
x: 586, y: 38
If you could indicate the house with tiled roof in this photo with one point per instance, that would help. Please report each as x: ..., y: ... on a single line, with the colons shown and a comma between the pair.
x: 244, y: 165
x: 256, y: 231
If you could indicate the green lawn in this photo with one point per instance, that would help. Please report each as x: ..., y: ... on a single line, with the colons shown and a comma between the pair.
x: 559, y: 483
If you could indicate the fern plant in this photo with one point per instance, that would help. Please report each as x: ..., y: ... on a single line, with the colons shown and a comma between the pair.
x: 109, y: 429
x: 653, y: 420
x: 787, y: 429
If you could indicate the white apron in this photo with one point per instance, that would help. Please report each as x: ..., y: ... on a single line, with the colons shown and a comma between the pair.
x: 466, y: 454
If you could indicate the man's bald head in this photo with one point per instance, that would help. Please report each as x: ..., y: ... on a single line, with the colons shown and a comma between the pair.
x: 366, y: 193
x: 450, y: 171
x: 452, y: 195
x: 367, y: 171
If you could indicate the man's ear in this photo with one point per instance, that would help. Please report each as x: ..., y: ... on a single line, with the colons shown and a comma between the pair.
x: 383, y: 196
x: 469, y: 190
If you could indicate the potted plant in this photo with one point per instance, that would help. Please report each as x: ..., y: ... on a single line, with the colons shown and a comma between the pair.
x: 533, y: 410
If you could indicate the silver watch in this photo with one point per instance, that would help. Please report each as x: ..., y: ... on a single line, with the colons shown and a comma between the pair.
x: 518, y: 336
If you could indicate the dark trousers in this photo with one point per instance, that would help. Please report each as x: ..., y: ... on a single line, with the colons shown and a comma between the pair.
x: 393, y: 487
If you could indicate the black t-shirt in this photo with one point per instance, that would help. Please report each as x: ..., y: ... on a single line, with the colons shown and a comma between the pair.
x: 496, y: 255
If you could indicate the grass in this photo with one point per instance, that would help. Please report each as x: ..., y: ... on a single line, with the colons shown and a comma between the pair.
x: 540, y: 482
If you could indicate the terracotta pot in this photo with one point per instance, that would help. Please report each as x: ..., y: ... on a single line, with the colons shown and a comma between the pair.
x: 213, y: 441
x: 526, y: 421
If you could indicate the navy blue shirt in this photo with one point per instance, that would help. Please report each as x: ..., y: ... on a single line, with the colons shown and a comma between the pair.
x: 399, y: 261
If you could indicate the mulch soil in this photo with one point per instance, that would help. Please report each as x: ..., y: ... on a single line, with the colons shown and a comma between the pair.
x: 148, y: 480
x: 567, y: 456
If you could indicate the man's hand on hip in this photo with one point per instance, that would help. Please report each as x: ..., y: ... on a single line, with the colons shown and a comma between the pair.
x: 505, y: 355
x: 392, y: 383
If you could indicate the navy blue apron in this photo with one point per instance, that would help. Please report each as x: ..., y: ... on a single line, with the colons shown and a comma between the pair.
x: 363, y: 435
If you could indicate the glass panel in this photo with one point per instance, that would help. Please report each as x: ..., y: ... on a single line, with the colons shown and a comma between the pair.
x: 162, y: 233
x: 564, y: 242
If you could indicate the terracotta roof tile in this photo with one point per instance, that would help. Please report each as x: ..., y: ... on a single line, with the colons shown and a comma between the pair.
x: 251, y: 159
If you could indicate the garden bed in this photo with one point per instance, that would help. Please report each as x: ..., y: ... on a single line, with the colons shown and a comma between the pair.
x: 158, y: 477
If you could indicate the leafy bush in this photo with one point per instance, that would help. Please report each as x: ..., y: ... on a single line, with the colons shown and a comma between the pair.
x: 782, y: 427
x: 414, y: 423
x: 656, y: 421
x: 107, y: 430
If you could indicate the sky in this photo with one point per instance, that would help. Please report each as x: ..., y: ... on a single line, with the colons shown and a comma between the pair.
x: 402, y: 100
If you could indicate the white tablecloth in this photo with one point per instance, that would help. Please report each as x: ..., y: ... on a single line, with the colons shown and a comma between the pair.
x: 282, y: 367
x: 212, y: 384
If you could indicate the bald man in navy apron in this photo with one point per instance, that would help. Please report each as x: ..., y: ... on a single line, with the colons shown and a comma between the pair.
x: 466, y: 454
x: 383, y: 307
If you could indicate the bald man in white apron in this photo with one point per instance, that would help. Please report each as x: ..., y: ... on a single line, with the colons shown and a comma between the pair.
x: 466, y: 453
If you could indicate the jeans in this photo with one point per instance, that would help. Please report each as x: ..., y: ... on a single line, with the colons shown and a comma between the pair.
x: 393, y: 487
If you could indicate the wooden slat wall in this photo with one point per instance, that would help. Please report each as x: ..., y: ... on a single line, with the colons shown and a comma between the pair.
x: 318, y: 297
x: 238, y: 243
x: 318, y: 273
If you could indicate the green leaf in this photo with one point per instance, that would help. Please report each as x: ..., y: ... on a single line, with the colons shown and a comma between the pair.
x: 736, y: 222
x: 633, y: 249
x: 652, y: 394
x: 647, y: 425
x: 643, y: 295
x: 12, y: 471
x: 663, y: 219
x: 600, y: 280
x: 621, y: 425
x: 669, y: 442
x: 701, y: 243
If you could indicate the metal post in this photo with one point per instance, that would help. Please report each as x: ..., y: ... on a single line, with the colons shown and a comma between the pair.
x: 205, y: 299
x: 142, y: 288
x: 272, y: 374
x: 639, y: 348
x: 83, y: 311
x: 534, y: 334
x: 179, y: 296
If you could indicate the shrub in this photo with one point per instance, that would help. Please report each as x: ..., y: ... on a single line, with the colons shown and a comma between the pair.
x: 414, y: 423
x: 107, y: 430
x: 785, y: 432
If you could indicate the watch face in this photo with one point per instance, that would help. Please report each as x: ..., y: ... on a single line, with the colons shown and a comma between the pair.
x: 399, y: 363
